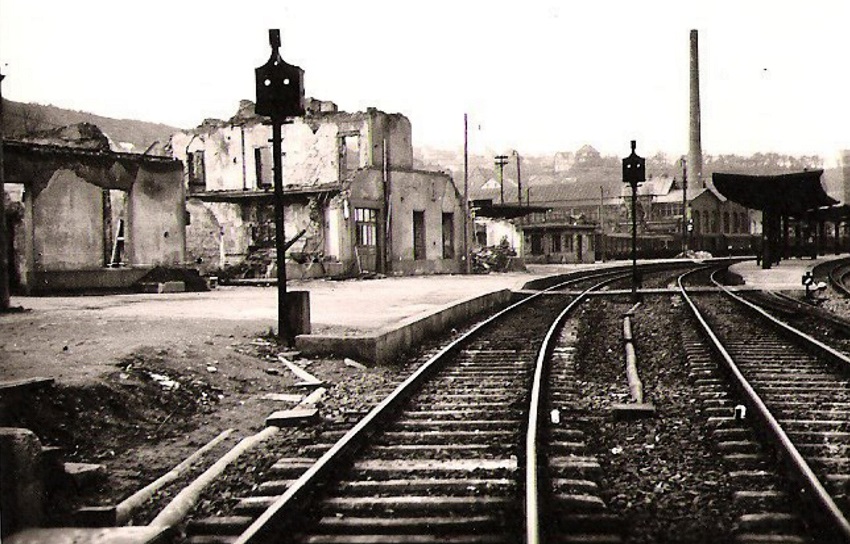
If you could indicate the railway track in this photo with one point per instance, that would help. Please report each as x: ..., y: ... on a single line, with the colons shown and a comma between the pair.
x: 838, y: 273
x: 797, y: 391
x: 471, y: 448
x: 438, y: 459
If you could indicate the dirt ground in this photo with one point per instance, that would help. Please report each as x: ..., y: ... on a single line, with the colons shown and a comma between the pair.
x: 141, y: 384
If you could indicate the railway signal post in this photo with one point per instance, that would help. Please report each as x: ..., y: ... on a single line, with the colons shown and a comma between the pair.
x: 634, y: 173
x: 280, y: 95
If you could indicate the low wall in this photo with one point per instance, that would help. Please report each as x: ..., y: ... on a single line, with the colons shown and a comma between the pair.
x: 385, y: 345
x: 102, y: 279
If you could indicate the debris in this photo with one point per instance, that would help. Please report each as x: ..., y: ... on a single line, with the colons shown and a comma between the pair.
x: 616, y: 450
x: 282, y: 397
x: 211, y: 369
x: 555, y: 416
x: 283, y: 418
x: 84, y: 474
x: 273, y: 371
x: 306, y: 377
x: 313, y: 398
x: 353, y: 363
x: 164, y: 381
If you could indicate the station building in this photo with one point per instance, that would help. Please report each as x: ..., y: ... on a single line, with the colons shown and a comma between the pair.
x: 350, y: 190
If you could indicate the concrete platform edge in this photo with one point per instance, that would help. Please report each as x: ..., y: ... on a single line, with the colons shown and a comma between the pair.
x: 382, y: 346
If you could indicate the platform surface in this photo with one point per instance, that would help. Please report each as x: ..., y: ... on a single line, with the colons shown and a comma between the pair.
x: 786, y: 276
x: 357, y: 307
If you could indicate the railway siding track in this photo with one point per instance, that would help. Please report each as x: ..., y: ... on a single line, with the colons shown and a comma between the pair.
x: 799, y: 396
x: 577, y: 507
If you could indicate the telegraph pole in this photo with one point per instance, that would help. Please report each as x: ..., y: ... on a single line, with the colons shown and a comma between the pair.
x: 4, y: 254
x: 518, y: 180
x: 501, y: 161
x: 467, y: 264
x: 685, y: 219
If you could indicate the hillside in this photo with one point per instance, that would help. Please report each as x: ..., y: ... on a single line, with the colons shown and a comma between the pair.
x: 126, y: 134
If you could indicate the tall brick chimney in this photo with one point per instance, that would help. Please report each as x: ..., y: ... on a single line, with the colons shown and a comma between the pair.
x: 695, y: 178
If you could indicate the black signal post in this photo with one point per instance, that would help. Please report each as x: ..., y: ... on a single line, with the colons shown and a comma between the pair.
x: 634, y: 173
x: 280, y: 95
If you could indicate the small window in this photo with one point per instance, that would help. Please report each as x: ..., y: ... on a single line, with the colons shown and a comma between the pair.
x: 556, y: 243
x: 448, y: 236
x: 366, y: 225
x: 419, y: 236
x: 537, y: 244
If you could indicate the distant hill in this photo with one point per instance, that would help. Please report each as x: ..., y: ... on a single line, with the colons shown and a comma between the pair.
x: 125, y: 134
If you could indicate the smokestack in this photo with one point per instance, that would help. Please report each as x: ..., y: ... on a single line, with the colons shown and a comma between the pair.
x: 694, y: 139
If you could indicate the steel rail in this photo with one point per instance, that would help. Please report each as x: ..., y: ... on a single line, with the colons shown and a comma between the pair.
x: 288, y: 502
x: 838, y: 279
x: 532, y: 470
x: 816, y: 491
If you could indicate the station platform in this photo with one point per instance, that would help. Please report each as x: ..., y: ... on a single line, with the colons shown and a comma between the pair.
x: 785, y: 276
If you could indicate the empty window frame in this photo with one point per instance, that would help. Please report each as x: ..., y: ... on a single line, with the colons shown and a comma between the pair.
x: 350, y: 152
x: 195, y: 167
x: 263, y: 167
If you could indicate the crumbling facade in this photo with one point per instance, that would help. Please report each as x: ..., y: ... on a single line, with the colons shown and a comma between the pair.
x: 350, y: 191
x: 87, y: 217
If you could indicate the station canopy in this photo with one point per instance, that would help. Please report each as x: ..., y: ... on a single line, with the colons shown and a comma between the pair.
x: 787, y: 194
x: 486, y: 208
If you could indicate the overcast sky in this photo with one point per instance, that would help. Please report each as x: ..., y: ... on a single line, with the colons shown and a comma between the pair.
x: 535, y: 75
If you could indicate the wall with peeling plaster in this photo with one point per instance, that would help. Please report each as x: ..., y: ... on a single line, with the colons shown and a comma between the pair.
x: 72, y: 202
x: 433, y: 193
x: 156, y: 217
x: 325, y: 151
x: 68, y: 218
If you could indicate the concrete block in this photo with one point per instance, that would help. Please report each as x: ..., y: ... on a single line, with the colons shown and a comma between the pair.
x: 85, y: 474
x: 633, y: 410
x: 163, y: 287
x: 22, y: 498
x: 96, y: 516
x: 298, y: 312
x: 71, y: 535
x: 284, y: 418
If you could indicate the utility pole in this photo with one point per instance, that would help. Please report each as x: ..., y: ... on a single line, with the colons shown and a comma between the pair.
x: 386, y: 250
x: 467, y: 264
x: 685, y: 219
x: 602, y: 221
x: 518, y: 180
x: 4, y: 254
x: 280, y: 95
x: 501, y: 161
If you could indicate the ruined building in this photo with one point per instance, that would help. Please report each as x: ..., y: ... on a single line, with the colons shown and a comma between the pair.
x: 349, y: 186
x: 85, y: 217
